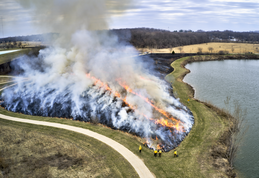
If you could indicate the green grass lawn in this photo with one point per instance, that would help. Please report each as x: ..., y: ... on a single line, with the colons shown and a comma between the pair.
x: 194, y: 159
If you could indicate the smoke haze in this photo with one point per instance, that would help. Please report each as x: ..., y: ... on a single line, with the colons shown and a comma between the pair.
x: 66, y: 16
x: 89, y: 75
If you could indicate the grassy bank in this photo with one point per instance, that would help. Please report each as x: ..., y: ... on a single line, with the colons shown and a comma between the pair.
x: 197, y: 156
x: 209, y: 136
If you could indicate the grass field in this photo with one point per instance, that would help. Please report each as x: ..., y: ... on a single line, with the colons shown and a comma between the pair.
x: 195, y: 152
x: 4, y: 58
x: 33, y: 151
x: 216, y: 47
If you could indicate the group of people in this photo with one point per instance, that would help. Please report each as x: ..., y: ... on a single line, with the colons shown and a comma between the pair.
x: 159, y: 152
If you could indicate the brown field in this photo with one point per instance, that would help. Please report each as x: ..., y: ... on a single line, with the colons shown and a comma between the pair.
x: 23, y: 44
x: 216, y: 47
x: 31, y: 44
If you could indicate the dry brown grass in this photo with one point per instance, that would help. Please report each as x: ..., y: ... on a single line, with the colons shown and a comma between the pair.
x: 20, y: 44
x: 25, y: 153
x: 29, y: 44
x: 209, y: 48
x: 5, y: 79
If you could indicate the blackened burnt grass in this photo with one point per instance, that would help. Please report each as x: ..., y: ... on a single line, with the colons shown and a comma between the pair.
x: 195, y: 152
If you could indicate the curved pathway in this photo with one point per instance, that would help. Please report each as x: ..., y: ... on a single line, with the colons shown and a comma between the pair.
x: 134, y: 160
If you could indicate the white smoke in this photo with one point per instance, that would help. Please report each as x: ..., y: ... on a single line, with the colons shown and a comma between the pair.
x: 64, y: 86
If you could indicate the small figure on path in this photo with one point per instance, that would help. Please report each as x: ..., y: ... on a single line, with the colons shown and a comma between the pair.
x: 160, y: 152
x: 140, y: 148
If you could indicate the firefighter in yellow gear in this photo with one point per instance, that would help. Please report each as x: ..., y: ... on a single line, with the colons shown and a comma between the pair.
x: 175, y: 153
x: 155, y: 153
x: 160, y: 152
x: 140, y: 148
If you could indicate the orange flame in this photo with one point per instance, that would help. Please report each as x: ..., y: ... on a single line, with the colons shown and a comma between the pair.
x: 148, y: 101
x: 166, y: 123
x: 158, y: 147
x: 106, y: 87
x: 162, y: 121
x: 143, y: 78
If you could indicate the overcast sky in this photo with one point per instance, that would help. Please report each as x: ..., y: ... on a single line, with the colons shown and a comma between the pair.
x: 236, y: 15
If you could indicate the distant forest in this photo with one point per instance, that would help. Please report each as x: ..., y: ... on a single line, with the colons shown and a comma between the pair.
x: 36, y: 38
x: 157, y: 38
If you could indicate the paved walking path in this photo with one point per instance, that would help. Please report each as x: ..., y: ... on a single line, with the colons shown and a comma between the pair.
x: 9, y: 51
x: 134, y: 160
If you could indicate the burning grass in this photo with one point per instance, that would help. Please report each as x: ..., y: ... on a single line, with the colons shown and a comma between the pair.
x: 100, y: 103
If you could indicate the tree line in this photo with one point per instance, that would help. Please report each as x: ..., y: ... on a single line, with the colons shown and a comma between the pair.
x: 157, y: 38
x: 39, y: 37
x: 153, y: 38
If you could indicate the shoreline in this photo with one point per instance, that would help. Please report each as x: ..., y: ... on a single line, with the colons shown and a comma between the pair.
x: 192, y: 59
x: 242, y: 58
x: 218, y: 148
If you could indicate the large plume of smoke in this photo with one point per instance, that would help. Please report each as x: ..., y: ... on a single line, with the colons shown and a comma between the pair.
x: 60, y: 82
x: 66, y: 16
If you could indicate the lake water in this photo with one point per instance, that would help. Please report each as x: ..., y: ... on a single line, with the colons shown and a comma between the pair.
x: 8, y: 51
x: 239, y: 79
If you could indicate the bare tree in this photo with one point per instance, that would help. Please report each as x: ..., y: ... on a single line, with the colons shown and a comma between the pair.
x: 15, y: 44
x: 237, y: 130
x: 8, y: 44
x: 232, y: 49
x: 180, y: 49
x: 210, y: 49
x: 19, y: 44
x: 200, y: 50
x: 171, y: 49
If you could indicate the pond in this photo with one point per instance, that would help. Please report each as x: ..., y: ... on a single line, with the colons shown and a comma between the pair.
x: 214, y: 81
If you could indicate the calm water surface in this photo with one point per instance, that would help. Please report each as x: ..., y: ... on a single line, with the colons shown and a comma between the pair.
x: 239, y: 79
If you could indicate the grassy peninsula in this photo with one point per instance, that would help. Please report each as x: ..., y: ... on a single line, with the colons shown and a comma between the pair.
x: 201, y: 154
